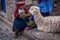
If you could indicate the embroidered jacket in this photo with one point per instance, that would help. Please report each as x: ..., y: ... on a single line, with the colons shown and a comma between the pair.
x: 17, y: 10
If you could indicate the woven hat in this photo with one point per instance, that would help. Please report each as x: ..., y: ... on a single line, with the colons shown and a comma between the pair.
x: 20, y: 3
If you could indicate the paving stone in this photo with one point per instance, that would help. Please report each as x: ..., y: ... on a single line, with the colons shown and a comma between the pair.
x: 47, y: 36
x: 6, y: 34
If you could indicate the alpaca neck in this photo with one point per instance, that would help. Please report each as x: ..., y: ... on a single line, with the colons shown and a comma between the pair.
x: 39, y: 16
x: 39, y: 19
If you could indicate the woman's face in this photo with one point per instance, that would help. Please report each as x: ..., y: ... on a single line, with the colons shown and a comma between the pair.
x: 21, y: 7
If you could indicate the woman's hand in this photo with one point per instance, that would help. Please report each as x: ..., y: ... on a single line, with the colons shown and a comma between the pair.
x: 27, y: 15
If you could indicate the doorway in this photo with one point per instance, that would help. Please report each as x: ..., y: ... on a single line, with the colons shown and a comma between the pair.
x: 2, y: 6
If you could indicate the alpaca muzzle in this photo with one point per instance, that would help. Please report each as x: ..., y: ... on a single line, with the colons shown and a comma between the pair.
x: 31, y: 12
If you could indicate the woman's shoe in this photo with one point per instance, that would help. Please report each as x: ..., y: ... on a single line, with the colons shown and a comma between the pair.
x: 15, y: 35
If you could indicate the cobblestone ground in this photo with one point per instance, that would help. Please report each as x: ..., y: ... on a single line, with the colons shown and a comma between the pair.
x: 43, y: 35
x: 47, y: 36
x: 6, y: 34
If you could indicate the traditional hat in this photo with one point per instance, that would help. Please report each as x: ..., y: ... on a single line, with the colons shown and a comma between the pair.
x: 20, y: 3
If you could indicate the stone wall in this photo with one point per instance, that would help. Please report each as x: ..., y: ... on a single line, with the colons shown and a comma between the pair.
x: 10, y: 7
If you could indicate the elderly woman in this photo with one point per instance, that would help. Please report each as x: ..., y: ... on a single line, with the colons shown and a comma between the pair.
x: 46, y: 6
x: 20, y: 14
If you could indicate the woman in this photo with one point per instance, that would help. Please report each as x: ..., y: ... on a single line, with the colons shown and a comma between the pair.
x: 46, y: 6
x: 20, y: 14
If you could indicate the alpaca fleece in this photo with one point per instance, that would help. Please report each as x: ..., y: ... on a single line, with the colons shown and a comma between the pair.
x: 46, y: 24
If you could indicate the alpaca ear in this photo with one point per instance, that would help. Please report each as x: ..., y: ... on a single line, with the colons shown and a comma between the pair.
x: 38, y: 9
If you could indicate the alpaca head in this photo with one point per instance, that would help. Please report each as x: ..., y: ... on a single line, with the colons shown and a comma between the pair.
x: 34, y: 10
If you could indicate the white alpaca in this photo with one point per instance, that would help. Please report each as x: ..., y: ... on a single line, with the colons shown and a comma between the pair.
x: 46, y: 24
